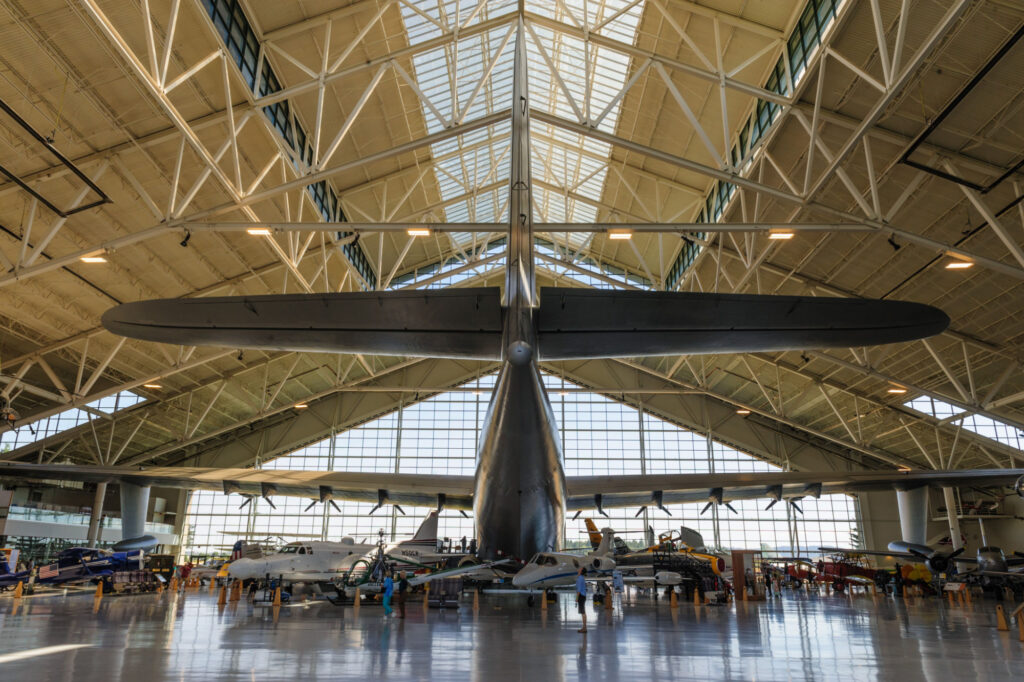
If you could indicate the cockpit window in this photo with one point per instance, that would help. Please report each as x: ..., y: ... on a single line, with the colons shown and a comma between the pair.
x: 290, y: 549
x: 302, y: 550
x: 534, y: 559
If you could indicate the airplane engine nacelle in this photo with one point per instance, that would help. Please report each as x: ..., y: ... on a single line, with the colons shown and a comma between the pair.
x: 602, y: 564
x: 668, y: 578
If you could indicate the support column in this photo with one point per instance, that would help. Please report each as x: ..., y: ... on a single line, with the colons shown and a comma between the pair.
x: 954, y: 521
x: 97, y: 514
x: 134, y: 508
x: 913, y: 506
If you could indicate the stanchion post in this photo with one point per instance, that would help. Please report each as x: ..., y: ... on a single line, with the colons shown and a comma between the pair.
x: 1001, y: 623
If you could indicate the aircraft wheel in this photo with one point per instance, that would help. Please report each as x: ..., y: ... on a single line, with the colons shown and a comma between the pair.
x: 838, y: 586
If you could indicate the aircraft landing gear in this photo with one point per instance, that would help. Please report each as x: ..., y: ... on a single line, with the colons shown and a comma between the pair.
x: 838, y: 586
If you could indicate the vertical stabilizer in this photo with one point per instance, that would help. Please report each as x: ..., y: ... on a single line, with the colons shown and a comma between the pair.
x: 428, y: 529
x: 608, y: 535
x: 593, y: 533
x: 691, y: 538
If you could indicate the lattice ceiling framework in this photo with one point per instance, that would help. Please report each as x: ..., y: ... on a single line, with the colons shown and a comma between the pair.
x: 660, y: 116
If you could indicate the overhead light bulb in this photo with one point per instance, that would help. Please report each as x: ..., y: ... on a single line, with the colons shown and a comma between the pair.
x: 152, y: 386
x: 620, y: 234
x: 259, y: 231
x: 418, y: 232
x: 780, y: 234
x: 897, y: 390
x: 301, y: 406
x: 959, y: 264
x: 93, y: 259
x: 743, y: 411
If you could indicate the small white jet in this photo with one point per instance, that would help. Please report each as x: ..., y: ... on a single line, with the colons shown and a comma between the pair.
x: 322, y: 562
x: 552, y: 569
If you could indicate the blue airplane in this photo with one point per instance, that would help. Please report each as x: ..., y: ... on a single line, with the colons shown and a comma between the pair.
x: 77, y: 564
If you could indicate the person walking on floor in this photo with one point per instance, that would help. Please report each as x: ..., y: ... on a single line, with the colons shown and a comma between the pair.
x: 581, y: 598
x: 403, y: 588
x: 389, y: 589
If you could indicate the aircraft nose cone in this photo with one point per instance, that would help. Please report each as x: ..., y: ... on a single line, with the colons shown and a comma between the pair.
x: 241, y: 569
x: 522, y: 578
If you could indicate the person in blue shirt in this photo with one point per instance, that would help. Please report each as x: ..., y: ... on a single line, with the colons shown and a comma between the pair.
x: 581, y: 598
x: 389, y: 589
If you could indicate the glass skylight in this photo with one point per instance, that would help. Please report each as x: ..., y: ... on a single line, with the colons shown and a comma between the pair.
x: 567, y: 169
x: 68, y: 419
x: 983, y: 426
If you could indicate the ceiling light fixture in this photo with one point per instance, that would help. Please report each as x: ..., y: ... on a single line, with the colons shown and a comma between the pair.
x: 897, y: 390
x: 743, y: 411
x: 301, y: 406
x: 620, y: 234
x: 259, y: 231
x: 959, y: 264
x: 780, y: 234
x: 152, y: 386
x: 94, y: 258
x: 418, y: 232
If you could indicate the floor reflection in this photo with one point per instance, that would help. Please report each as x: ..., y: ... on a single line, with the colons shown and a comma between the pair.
x: 153, y: 638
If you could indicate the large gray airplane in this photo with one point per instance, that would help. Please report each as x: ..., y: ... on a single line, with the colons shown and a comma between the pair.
x: 520, y: 493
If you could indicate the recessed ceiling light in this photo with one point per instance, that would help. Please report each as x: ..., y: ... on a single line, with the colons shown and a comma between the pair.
x: 742, y: 411
x: 259, y: 231
x: 418, y: 232
x: 152, y: 386
x: 620, y: 234
x: 93, y: 259
x: 959, y: 264
x: 301, y: 406
x: 780, y: 234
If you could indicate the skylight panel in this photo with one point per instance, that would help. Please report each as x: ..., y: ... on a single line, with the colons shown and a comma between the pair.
x: 68, y: 419
x: 981, y: 425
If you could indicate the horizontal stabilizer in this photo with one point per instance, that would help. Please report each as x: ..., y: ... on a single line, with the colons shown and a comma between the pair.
x: 583, y: 323
x: 453, y: 323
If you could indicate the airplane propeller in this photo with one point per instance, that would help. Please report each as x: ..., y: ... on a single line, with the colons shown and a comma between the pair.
x: 326, y: 495
x: 715, y: 496
x: 382, y: 499
x: 657, y: 497
x: 937, y: 562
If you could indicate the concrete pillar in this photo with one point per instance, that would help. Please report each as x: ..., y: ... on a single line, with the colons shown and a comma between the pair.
x: 954, y: 522
x: 913, y: 506
x: 97, y: 514
x: 134, y: 508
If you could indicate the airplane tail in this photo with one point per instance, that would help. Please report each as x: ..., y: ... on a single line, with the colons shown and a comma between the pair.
x: 593, y: 532
x: 691, y: 538
x: 607, y: 537
x: 428, y: 529
x: 245, y: 550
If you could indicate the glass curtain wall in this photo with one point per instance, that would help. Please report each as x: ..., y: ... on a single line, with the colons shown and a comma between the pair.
x: 599, y: 437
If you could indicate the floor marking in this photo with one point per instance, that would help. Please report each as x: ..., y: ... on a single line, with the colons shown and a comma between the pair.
x: 44, y: 651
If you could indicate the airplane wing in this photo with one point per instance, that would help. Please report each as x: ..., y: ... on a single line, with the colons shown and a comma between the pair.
x: 447, y: 323
x: 452, y: 492
x: 483, y: 571
x: 584, y: 323
x: 597, y: 492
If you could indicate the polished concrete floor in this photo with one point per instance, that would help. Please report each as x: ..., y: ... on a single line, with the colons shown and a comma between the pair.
x: 187, y: 637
